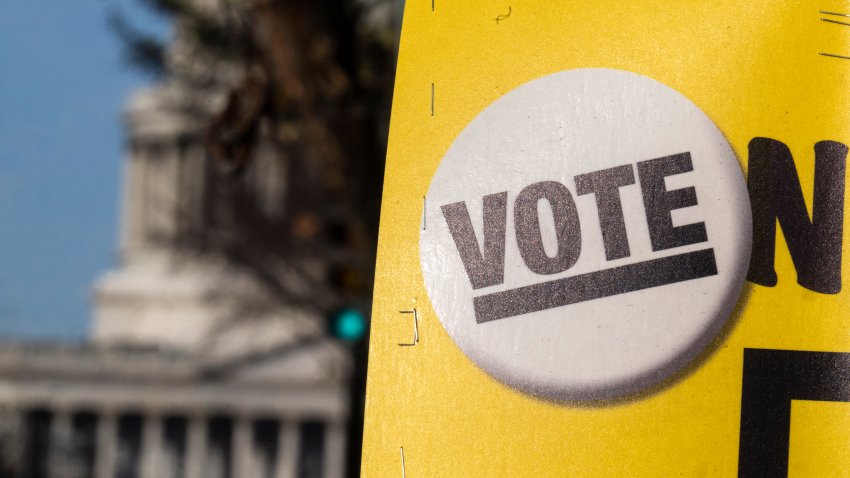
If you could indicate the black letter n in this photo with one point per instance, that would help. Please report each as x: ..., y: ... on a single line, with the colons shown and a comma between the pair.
x: 775, y: 193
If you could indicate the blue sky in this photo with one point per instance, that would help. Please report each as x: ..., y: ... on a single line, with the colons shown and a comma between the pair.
x: 63, y: 82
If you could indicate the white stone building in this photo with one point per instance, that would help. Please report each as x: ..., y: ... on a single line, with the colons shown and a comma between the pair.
x: 160, y: 390
x: 177, y: 379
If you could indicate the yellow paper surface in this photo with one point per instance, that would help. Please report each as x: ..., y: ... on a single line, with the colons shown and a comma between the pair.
x: 754, y: 68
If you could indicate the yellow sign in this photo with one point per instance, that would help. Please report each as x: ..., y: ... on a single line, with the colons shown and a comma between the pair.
x: 612, y: 242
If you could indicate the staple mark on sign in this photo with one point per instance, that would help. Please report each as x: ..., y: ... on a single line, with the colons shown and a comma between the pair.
x: 843, y: 57
x: 829, y: 20
x: 837, y: 14
x: 424, y: 212
x: 595, y: 285
x: 504, y: 16
x: 836, y: 22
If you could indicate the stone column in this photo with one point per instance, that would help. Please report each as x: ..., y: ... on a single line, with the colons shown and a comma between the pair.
x: 196, y: 446
x: 105, y: 451
x: 151, y: 446
x: 242, y: 464
x: 162, y: 191
x: 193, y: 184
x: 334, y: 456
x: 133, y: 213
x: 61, y: 428
x: 288, y: 447
x: 13, y: 431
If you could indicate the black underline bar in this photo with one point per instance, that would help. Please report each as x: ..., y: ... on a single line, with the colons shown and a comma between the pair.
x: 595, y: 285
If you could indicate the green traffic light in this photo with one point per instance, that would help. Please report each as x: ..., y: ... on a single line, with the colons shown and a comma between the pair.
x: 350, y: 325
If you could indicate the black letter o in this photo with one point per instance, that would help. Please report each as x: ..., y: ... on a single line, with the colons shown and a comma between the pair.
x: 567, y: 227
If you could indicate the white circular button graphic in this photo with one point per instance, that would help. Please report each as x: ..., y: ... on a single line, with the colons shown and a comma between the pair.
x: 588, y: 235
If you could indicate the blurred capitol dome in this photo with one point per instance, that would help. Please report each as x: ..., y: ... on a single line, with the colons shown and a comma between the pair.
x: 192, y: 370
